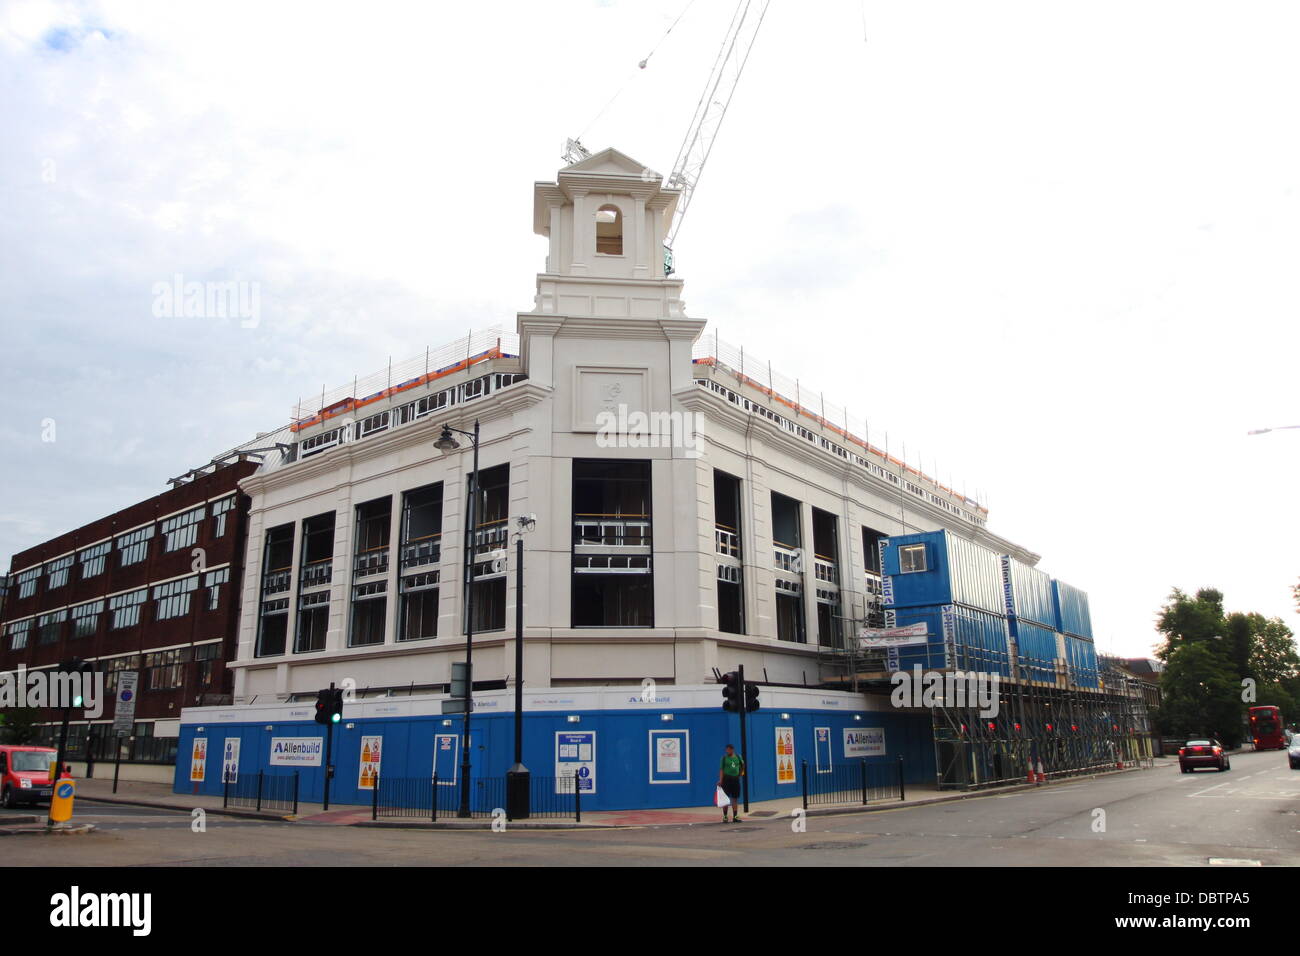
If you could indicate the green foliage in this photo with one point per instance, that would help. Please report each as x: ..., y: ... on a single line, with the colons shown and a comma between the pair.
x: 1209, y: 654
x: 18, y: 725
x: 1201, y: 695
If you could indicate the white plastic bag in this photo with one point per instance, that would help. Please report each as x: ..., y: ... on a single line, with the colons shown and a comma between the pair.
x: 720, y: 798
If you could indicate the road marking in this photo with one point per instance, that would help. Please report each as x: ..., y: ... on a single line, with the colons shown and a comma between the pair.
x: 1208, y: 789
x: 1229, y: 861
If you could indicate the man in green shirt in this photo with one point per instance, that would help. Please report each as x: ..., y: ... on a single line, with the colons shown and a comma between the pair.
x: 729, y: 774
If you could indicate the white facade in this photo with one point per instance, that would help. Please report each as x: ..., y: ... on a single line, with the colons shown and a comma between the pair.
x: 608, y: 336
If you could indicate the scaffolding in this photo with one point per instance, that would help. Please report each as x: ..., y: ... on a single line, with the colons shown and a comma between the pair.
x: 1041, y: 730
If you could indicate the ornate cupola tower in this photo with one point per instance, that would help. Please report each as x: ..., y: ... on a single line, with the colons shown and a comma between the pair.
x: 606, y: 218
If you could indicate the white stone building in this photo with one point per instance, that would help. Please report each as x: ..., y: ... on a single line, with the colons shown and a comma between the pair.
x: 739, y: 529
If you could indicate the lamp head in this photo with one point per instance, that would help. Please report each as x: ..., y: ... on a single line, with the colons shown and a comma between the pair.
x: 446, y: 441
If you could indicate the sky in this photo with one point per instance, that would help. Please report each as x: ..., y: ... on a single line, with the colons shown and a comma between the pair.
x: 1051, y: 246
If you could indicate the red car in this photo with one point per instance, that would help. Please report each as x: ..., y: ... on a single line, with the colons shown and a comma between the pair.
x: 1202, y: 753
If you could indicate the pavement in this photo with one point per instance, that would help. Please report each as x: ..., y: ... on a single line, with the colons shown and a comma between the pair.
x: 160, y: 796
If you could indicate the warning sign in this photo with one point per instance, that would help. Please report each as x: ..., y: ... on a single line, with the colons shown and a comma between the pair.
x: 230, y: 760
x: 785, y: 755
x: 198, y: 759
x: 369, y: 762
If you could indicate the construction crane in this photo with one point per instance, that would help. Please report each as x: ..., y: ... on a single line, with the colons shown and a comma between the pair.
x: 709, y: 113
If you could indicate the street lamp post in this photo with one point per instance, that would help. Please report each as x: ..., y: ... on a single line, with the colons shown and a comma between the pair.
x: 517, y: 778
x: 447, y: 442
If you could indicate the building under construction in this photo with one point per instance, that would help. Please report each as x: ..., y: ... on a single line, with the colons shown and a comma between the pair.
x: 1002, y: 658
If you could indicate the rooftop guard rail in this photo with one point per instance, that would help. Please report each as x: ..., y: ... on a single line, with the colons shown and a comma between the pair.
x: 806, y: 403
x: 420, y: 370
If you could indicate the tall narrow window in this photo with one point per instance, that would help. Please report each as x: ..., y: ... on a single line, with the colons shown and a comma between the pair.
x: 273, y: 627
x: 826, y: 574
x: 313, y: 621
x: 613, y: 579
x: 369, y: 606
x: 873, y: 585
x: 491, y: 539
x: 317, y: 551
x: 421, y: 551
x: 374, y: 521
x: 726, y: 541
x: 277, y: 559
x: 609, y: 231
x: 788, y: 564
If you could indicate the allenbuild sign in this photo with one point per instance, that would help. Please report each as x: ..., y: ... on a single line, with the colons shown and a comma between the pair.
x: 627, y: 750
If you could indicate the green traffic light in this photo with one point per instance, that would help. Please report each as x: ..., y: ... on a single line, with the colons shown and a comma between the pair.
x: 336, y: 718
x: 78, y: 701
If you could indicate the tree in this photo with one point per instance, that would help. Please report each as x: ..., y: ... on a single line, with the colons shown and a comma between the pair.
x: 18, y: 725
x: 1186, y: 620
x: 1200, y: 696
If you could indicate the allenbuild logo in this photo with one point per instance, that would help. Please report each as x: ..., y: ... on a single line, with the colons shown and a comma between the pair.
x: 78, y: 909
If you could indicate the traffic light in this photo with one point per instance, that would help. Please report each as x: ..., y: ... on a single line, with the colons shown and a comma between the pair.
x: 76, y: 666
x: 732, y: 695
x: 329, y: 705
x: 751, y: 696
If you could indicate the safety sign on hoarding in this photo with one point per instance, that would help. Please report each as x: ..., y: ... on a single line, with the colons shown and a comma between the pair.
x: 369, y: 762
x: 445, y: 748
x: 785, y: 755
x: 670, y: 756
x: 230, y: 760
x: 575, y: 756
x: 864, y: 742
x: 198, y: 759
x: 822, y: 749
x: 124, y: 712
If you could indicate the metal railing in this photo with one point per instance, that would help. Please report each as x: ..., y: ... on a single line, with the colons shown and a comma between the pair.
x: 374, y: 561
x: 825, y: 570
x: 789, y: 560
x: 275, y: 582
x: 422, y: 551
x: 858, y: 782
x: 261, y: 791
x: 726, y: 542
x: 317, y: 573
x: 611, y: 532
x: 428, y: 798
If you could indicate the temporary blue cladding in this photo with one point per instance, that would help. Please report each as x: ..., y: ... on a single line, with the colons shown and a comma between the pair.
x: 1072, y: 614
x: 957, y: 571
x: 1035, y: 650
x: 1081, y: 656
x: 1027, y: 593
x: 961, y: 638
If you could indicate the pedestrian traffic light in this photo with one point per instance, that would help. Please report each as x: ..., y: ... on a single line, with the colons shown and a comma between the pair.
x: 732, y: 694
x: 329, y: 705
x: 751, y: 696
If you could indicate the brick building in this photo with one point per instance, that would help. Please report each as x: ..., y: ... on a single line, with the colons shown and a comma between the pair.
x: 152, y: 588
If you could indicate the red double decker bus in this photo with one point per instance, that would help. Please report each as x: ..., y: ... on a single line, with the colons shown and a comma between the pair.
x: 1266, y: 728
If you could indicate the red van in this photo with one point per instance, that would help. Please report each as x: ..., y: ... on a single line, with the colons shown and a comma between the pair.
x: 25, y: 774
